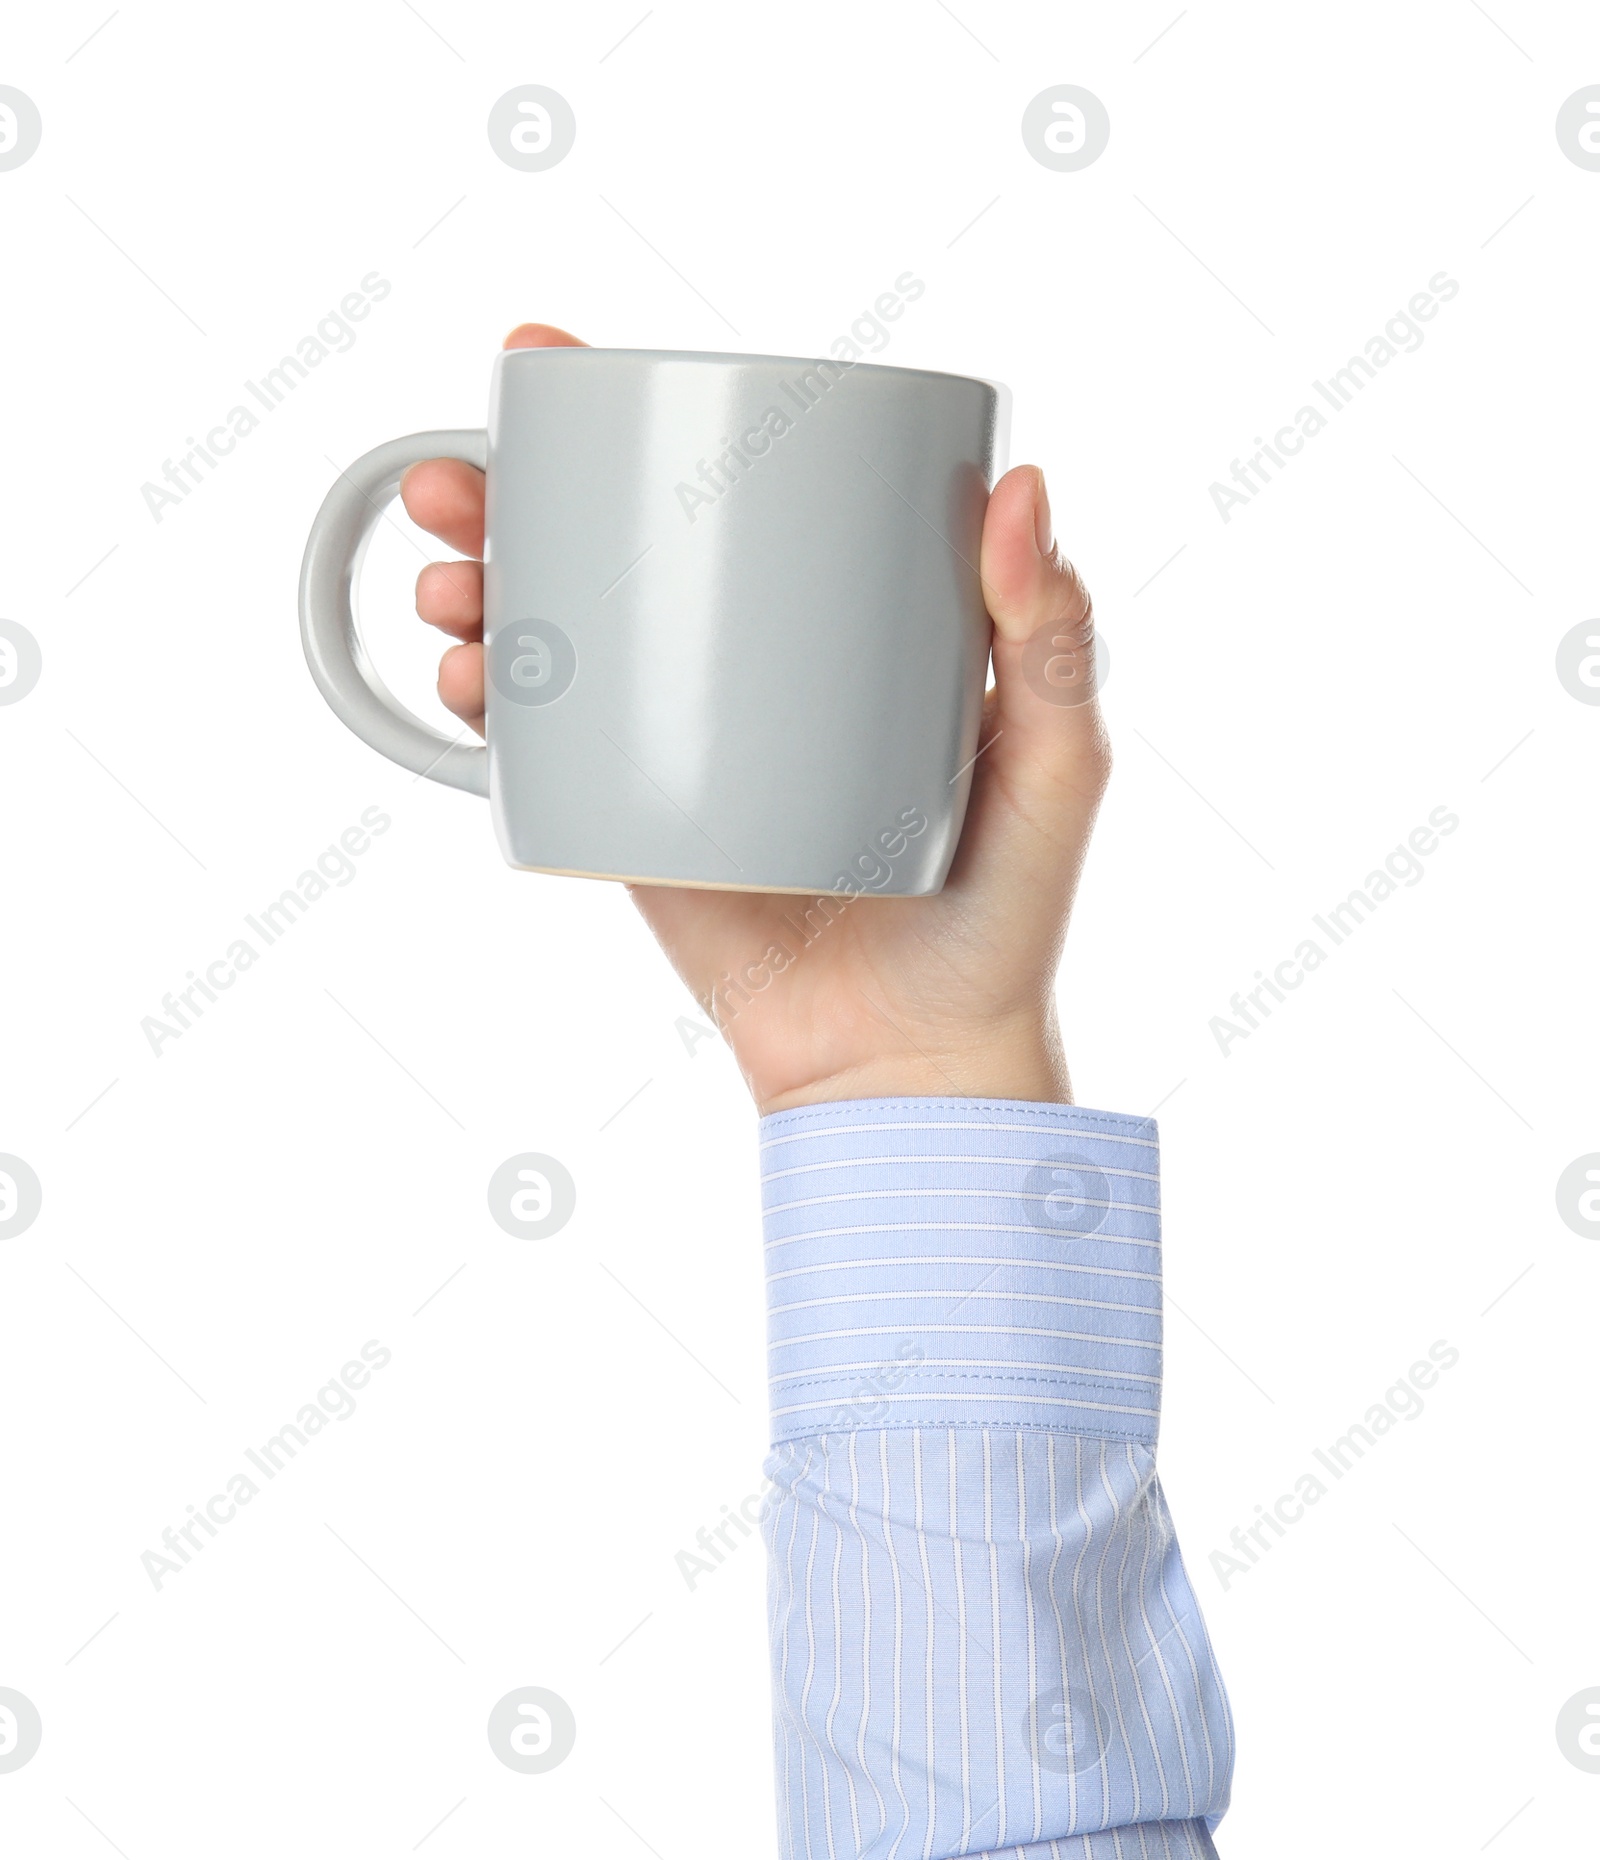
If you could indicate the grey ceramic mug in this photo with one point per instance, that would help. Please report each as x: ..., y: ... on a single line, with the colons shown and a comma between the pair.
x: 734, y: 632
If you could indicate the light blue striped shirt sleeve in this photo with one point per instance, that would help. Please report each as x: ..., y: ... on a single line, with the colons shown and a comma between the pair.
x: 983, y: 1638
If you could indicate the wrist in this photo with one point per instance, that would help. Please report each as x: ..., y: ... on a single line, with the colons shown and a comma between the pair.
x: 1029, y: 1067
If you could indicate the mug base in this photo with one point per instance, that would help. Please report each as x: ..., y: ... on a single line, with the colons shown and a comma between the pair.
x: 708, y: 884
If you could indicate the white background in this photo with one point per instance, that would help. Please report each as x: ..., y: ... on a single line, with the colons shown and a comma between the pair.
x: 1371, y: 638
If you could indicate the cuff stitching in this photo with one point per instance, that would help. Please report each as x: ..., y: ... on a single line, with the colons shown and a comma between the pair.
x: 1097, y: 1430
x: 1013, y: 1107
x: 1063, y: 1379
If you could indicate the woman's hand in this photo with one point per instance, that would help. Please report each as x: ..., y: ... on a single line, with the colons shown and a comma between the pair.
x: 951, y: 995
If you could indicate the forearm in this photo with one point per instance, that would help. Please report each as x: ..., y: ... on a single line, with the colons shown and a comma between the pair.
x: 983, y: 1636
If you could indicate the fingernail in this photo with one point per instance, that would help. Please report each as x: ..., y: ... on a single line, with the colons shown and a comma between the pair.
x: 1043, y: 533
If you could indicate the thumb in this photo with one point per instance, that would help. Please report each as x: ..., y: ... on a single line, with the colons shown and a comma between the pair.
x: 1048, y: 758
x: 1044, y: 656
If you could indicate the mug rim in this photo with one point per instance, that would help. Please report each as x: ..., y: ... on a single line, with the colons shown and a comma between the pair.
x: 726, y: 357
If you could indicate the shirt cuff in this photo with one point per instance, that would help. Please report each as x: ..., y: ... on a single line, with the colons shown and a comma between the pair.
x: 961, y: 1262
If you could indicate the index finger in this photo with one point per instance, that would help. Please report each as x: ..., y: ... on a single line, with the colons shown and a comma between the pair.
x: 444, y: 496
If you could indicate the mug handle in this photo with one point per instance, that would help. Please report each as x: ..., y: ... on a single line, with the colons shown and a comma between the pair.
x: 338, y: 659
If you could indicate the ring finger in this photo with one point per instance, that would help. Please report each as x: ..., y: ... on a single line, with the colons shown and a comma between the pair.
x: 450, y: 597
